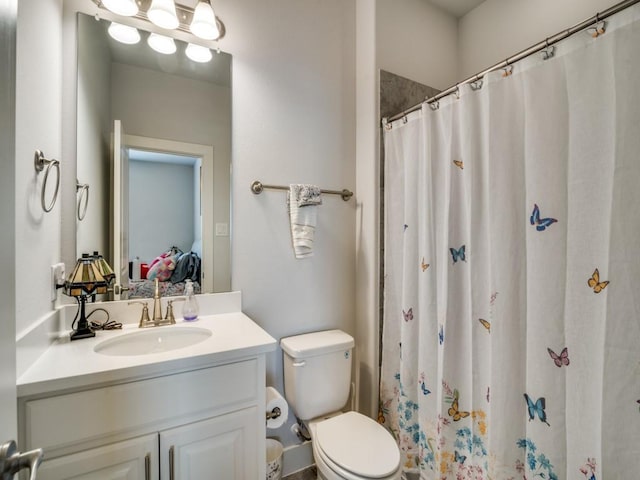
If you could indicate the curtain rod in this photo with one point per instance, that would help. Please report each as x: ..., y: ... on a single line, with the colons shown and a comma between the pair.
x: 597, y: 18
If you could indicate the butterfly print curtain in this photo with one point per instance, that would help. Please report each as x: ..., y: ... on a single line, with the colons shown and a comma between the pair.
x: 511, y: 336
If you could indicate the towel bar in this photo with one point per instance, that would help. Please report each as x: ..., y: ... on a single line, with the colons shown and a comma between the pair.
x: 257, y: 187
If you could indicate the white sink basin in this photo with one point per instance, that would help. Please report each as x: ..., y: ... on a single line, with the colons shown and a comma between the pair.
x: 154, y: 340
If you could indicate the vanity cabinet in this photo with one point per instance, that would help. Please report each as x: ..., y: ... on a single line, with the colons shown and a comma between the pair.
x: 199, y: 424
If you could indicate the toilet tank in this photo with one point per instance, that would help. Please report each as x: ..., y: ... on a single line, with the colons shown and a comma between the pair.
x: 317, y: 372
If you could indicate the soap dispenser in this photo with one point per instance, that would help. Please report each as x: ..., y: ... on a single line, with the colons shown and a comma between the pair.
x: 190, y: 308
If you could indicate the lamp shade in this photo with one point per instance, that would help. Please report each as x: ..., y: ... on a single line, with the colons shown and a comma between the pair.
x: 198, y: 53
x: 163, y: 14
x: 204, y: 23
x: 104, y: 268
x: 124, y: 33
x: 85, y: 279
x: 161, y: 43
x: 126, y: 8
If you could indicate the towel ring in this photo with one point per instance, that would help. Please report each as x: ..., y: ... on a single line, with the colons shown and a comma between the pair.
x: 83, y: 188
x: 39, y: 164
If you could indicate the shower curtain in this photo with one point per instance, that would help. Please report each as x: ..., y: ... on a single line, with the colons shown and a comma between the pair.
x: 511, y: 327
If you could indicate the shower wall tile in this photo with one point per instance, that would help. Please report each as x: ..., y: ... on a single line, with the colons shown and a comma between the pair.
x: 398, y: 93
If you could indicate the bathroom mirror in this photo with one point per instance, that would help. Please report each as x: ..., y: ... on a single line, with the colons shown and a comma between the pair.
x: 175, y: 116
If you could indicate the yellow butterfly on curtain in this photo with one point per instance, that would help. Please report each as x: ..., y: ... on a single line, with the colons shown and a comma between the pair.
x: 595, y: 283
x: 453, y: 411
x: 486, y: 324
x: 424, y: 265
x: 459, y: 164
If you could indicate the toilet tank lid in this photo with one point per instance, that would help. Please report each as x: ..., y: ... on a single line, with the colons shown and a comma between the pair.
x: 316, y: 343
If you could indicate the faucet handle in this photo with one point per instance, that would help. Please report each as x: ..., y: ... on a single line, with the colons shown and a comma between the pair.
x: 169, y: 315
x: 145, y: 321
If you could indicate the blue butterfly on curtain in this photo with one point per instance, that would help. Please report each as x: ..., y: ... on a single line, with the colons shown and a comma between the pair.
x: 458, y: 254
x: 536, y: 408
x: 441, y: 335
x: 540, y: 223
x: 459, y: 458
x: 408, y: 315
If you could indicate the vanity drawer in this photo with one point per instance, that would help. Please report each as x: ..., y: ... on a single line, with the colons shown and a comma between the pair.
x: 127, y: 409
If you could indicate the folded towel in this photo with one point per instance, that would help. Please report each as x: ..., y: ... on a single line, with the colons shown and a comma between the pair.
x: 303, y: 201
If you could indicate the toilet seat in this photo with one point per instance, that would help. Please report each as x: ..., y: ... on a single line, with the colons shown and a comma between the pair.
x: 356, y: 447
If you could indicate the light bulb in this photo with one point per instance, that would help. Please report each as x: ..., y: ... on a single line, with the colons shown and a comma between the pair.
x: 198, y: 53
x: 204, y: 23
x: 126, y: 8
x: 163, y: 14
x: 161, y: 44
x: 124, y: 33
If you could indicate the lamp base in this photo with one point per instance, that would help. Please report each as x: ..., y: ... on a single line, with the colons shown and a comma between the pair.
x: 82, y: 333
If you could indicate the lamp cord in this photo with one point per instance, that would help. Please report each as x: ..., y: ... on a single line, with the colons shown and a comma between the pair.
x: 106, y: 325
x: 94, y: 325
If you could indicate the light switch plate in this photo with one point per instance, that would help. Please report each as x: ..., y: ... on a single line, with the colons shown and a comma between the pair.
x: 222, y: 229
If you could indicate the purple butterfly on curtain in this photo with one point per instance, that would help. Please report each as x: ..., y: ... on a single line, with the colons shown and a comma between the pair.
x: 540, y: 223
x: 559, y: 360
x: 408, y: 315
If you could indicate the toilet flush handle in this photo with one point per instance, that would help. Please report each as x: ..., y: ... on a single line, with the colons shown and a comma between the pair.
x: 299, y: 364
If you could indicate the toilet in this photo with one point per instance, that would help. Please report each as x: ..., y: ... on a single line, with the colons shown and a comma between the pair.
x: 317, y: 381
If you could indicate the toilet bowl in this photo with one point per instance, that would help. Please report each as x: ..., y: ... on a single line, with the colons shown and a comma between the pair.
x: 317, y: 381
x: 351, y: 446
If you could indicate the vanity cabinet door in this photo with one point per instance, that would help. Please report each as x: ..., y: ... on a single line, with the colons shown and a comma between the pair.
x: 220, y: 448
x: 134, y: 459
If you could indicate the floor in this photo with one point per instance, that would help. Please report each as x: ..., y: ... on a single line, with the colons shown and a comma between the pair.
x: 306, y: 474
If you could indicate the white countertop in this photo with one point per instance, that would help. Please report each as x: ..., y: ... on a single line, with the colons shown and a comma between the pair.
x: 68, y: 365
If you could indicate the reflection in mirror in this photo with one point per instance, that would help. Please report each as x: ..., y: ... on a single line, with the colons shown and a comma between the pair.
x: 176, y: 132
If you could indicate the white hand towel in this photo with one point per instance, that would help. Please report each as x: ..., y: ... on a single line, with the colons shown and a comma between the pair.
x: 303, y: 201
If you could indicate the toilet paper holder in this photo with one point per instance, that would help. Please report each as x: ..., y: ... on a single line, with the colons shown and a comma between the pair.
x: 275, y: 413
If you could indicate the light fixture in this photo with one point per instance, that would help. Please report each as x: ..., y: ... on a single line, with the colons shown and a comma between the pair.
x: 126, y: 8
x: 204, y: 23
x: 198, y: 53
x: 163, y: 14
x: 161, y: 44
x: 124, y: 33
x: 85, y: 280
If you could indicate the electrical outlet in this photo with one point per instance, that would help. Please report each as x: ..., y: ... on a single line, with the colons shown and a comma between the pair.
x: 57, y: 278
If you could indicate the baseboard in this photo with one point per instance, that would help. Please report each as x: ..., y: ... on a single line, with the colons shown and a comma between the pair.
x: 296, y: 458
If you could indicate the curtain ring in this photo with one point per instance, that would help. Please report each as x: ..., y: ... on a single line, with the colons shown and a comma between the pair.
x: 83, y: 188
x: 39, y: 164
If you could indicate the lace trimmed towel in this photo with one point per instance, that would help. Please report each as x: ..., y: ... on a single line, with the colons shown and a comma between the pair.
x: 303, y: 201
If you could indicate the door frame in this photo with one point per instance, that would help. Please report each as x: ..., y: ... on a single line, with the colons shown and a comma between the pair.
x: 206, y: 154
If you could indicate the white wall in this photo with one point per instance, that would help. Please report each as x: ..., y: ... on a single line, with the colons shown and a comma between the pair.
x: 38, y: 126
x: 160, y: 208
x: 417, y: 40
x: 497, y: 29
x: 293, y: 122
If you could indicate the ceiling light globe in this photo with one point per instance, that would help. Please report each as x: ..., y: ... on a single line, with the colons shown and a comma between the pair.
x: 124, y: 33
x: 161, y: 44
x: 204, y: 23
x: 126, y: 8
x: 163, y: 14
x: 198, y: 53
